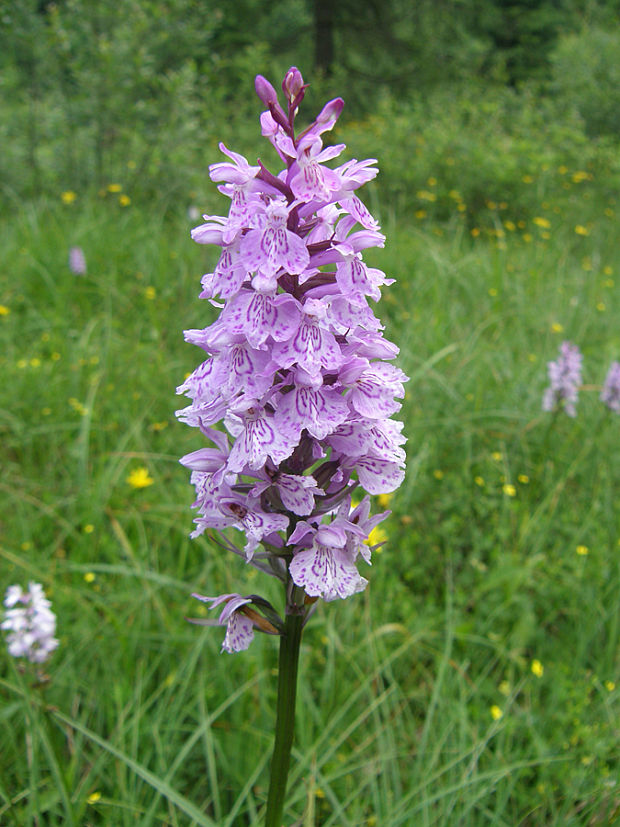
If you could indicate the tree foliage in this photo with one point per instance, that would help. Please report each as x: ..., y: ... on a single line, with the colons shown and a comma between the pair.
x: 90, y: 88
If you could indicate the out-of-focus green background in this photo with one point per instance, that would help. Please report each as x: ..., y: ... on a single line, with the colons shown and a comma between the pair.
x: 141, y: 91
x: 475, y: 682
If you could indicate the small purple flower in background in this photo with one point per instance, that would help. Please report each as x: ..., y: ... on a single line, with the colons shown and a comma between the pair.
x: 565, y: 379
x: 31, y: 625
x: 610, y: 394
x: 77, y: 261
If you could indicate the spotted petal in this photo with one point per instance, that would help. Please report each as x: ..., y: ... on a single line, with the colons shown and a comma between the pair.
x: 259, y: 439
x: 378, y: 476
x: 326, y: 572
x: 297, y: 493
x: 312, y: 348
x: 258, y: 316
x: 319, y: 411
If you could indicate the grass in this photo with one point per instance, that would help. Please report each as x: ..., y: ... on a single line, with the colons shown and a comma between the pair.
x: 421, y: 701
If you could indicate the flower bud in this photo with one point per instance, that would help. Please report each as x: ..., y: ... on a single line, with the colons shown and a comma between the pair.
x: 292, y: 84
x: 265, y: 91
x: 330, y: 113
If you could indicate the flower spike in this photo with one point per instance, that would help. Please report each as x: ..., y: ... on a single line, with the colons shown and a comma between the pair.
x: 297, y: 391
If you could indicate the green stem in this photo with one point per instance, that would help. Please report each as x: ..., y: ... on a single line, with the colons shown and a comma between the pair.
x: 285, y: 717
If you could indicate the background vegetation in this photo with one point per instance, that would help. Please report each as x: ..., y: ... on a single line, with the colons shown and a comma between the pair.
x: 475, y: 682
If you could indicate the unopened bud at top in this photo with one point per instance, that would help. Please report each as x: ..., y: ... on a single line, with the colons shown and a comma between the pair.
x: 293, y: 83
x: 265, y: 91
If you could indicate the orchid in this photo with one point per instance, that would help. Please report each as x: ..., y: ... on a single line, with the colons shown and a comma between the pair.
x: 298, y: 388
x: 77, y: 261
x: 610, y: 395
x: 565, y: 380
x: 30, y: 623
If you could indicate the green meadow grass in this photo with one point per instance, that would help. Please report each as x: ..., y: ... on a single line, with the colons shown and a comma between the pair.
x: 473, y: 683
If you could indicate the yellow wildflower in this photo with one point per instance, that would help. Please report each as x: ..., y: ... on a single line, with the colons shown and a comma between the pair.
x: 496, y: 712
x: 68, y: 197
x: 89, y: 577
x: 150, y: 293
x: 124, y: 200
x: 580, y: 176
x: 537, y: 668
x: 581, y: 230
x: 114, y: 188
x: 509, y: 490
x: 4, y: 310
x: 93, y: 798
x: 523, y: 479
x: 140, y: 478
x: 377, y: 535
x: 544, y: 223
x: 158, y: 426
x: 78, y: 406
x: 582, y: 551
x: 556, y: 327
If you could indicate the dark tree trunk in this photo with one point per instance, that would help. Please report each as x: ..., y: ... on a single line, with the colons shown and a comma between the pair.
x: 323, y: 35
